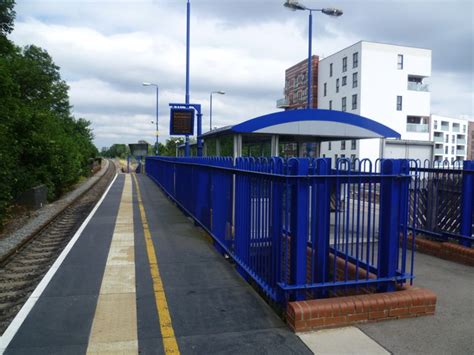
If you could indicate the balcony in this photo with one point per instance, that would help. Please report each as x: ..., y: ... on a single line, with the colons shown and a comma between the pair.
x: 456, y: 128
x: 445, y: 127
x: 282, y: 103
x: 438, y: 151
x: 460, y: 151
x: 413, y: 86
x: 438, y: 139
x: 417, y: 127
x: 461, y: 140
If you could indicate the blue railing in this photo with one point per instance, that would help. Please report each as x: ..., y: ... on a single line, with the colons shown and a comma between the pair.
x: 442, y: 200
x: 296, y: 227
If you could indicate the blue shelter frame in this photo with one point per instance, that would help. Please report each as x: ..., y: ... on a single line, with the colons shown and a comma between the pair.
x: 298, y: 126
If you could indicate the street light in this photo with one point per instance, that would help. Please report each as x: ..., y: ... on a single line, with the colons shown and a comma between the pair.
x: 157, y: 131
x: 294, y: 5
x: 210, y: 109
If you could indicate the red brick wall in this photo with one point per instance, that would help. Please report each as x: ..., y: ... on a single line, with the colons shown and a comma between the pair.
x: 343, y: 311
x: 296, y: 72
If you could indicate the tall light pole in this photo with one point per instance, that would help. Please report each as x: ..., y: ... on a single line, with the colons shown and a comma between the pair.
x: 210, y: 108
x: 186, y: 98
x: 295, y: 5
x: 157, y: 129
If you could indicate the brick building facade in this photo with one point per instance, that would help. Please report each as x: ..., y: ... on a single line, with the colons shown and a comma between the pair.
x: 470, y: 141
x: 296, y: 85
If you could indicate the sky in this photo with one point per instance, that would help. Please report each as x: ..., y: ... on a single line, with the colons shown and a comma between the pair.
x: 107, y: 48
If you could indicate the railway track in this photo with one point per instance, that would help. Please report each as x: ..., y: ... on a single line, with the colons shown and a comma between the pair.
x: 21, y: 272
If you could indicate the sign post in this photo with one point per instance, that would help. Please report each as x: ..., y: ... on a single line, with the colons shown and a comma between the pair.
x: 182, y: 123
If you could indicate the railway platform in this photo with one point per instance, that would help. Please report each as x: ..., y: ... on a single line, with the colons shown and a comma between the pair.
x: 138, y: 277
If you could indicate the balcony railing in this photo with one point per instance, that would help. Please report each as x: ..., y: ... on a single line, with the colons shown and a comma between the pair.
x: 461, y: 140
x: 282, y: 103
x: 445, y: 128
x: 413, y: 86
x: 438, y: 139
x: 461, y: 151
x: 416, y: 127
x: 456, y: 129
x: 438, y: 151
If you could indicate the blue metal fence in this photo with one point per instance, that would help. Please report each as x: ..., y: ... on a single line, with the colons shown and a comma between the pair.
x: 442, y: 200
x: 296, y: 227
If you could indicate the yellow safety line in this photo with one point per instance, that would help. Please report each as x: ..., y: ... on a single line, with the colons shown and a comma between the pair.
x: 167, y: 333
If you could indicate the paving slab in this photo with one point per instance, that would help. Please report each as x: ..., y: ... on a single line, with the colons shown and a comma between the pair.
x: 451, y: 329
x: 347, y: 340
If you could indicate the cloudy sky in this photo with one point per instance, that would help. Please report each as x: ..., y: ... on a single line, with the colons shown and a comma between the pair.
x: 107, y: 48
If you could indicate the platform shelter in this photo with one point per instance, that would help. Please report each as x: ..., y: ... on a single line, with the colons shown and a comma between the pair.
x: 291, y: 133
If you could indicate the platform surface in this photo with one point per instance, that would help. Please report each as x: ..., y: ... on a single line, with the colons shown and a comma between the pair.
x: 141, y: 278
x: 103, y: 299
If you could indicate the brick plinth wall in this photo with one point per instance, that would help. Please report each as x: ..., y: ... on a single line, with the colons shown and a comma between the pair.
x: 444, y: 250
x: 342, y: 311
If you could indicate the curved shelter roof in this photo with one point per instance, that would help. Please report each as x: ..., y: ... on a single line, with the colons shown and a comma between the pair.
x: 311, y: 123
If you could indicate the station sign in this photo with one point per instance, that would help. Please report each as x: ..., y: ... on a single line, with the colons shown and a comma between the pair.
x: 182, y: 122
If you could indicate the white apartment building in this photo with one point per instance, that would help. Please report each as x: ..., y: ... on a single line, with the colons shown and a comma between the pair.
x: 450, y: 138
x: 383, y: 82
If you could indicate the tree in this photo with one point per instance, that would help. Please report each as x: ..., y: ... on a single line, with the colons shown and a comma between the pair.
x: 7, y: 16
x: 40, y: 141
x: 117, y: 151
x: 171, y: 145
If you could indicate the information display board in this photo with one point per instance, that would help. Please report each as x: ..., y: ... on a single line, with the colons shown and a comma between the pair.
x: 181, y: 122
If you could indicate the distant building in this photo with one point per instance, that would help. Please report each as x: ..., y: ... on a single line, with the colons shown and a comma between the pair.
x: 470, y: 138
x: 383, y: 82
x: 450, y: 138
x: 296, y: 85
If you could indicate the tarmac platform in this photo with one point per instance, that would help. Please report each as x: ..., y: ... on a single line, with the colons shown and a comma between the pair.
x: 139, y: 277
x: 102, y: 298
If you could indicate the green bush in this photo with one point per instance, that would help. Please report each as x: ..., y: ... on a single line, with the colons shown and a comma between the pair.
x: 40, y: 141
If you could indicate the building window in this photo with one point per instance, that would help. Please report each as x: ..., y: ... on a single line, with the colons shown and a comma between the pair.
x: 343, y: 156
x: 400, y: 62
x: 344, y: 64
x: 435, y: 124
x: 329, y: 145
x: 453, y: 139
x: 330, y: 70
x: 354, y: 102
x: 337, y: 85
x: 446, y: 140
x: 324, y: 155
x: 446, y: 150
x: 330, y: 104
x: 354, y: 80
x: 452, y: 150
x: 353, y: 144
x: 399, y: 103
x: 344, y: 80
x: 325, y: 88
x: 343, y: 145
x: 343, y: 104
x: 355, y: 60
x: 464, y: 129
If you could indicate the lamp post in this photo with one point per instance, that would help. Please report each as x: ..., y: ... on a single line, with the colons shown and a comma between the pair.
x: 210, y: 108
x: 295, y: 5
x: 157, y: 129
x: 186, y: 97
